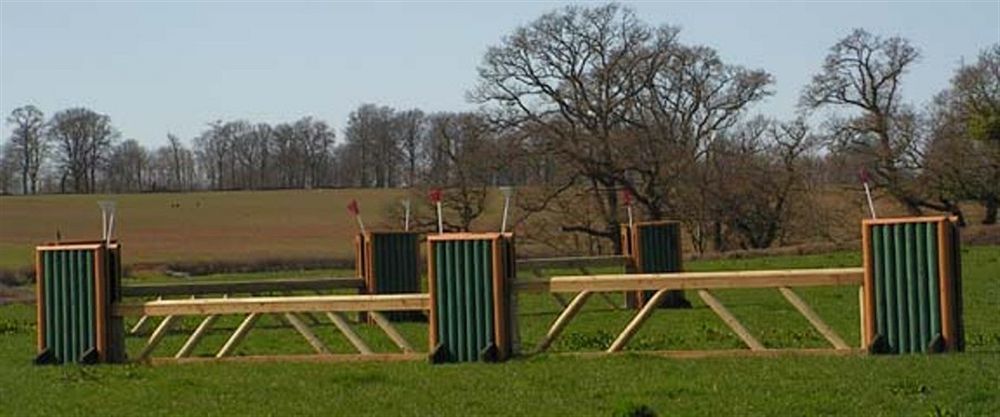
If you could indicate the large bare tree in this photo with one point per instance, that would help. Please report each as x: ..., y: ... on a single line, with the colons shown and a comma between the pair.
x: 28, y: 142
x: 82, y: 140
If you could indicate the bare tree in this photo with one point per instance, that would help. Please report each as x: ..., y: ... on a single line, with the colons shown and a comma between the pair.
x: 409, y: 127
x: 863, y: 72
x: 27, y: 141
x: 82, y: 138
x: 572, y: 76
x: 127, y: 164
x: 964, y: 155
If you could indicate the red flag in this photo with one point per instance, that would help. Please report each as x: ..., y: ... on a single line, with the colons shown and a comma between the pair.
x: 863, y: 175
x: 353, y: 208
x: 435, y: 195
x: 627, y: 196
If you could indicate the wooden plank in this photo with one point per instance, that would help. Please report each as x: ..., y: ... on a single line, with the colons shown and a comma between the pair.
x: 247, y: 305
x: 944, y: 286
x: 722, y: 353
x: 307, y: 333
x: 463, y: 236
x: 100, y: 304
x: 564, y: 318
x: 196, y: 336
x: 378, y: 357
x: 348, y: 332
x: 238, y: 335
x: 238, y: 287
x: 864, y: 317
x: 636, y: 322
x: 814, y: 319
x: 708, y: 280
x: 868, y: 302
x: 730, y: 320
x: 911, y: 219
x: 39, y: 302
x: 391, y: 331
x: 139, y: 325
x: 156, y: 337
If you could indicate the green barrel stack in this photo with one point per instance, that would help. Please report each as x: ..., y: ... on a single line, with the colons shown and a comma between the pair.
x: 76, y: 285
x: 472, y: 299
x: 654, y: 247
x: 389, y: 263
x: 912, y: 285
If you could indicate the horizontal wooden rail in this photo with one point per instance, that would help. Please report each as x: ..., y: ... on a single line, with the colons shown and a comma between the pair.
x: 296, y: 304
x: 238, y: 287
x: 573, y: 262
x: 699, y: 280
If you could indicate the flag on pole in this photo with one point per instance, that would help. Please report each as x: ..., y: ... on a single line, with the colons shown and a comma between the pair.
x: 865, y: 178
x: 352, y: 208
x: 435, y: 195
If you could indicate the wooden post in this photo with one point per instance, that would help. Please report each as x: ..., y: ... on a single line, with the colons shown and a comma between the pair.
x: 391, y: 331
x: 945, y: 278
x: 341, y: 323
x: 156, y: 337
x: 637, y: 321
x: 306, y: 333
x: 813, y: 318
x: 863, y: 313
x: 868, y: 300
x: 238, y: 335
x: 564, y: 318
x: 196, y: 336
x: 730, y: 320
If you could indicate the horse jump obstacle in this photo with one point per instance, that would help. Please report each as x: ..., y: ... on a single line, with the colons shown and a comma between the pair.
x: 473, y: 313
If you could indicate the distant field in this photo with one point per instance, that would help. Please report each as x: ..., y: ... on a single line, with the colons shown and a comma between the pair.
x: 193, y: 227
x: 286, y: 225
x: 924, y: 385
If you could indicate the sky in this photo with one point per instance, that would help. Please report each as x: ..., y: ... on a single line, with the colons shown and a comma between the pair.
x: 159, y: 67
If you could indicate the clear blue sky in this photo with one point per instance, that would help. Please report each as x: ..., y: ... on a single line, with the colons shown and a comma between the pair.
x: 174, y: 66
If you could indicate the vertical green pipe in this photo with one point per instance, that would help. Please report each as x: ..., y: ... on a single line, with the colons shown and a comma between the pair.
x: 467, y: 314
x: 878, y: 269
x: 921, y: 283
x: 459, y: 304
x: 452, y: 295
x: 74, y: 305
x: 488, y: 285
x: 64, y: 286
x: 933, y: 294
x: 57, y: 303
x: 901, y: 308
x: 441, y: 293
x: 890, y: 289
x: 46, y: 296
x: 89, y: 304
x: 912, y: 319
x: 479, y: 301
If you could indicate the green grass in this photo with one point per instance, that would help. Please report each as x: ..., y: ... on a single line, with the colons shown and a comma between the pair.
x: 953, y: 384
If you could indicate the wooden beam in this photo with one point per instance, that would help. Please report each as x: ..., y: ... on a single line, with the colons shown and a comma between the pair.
x: 391, y: 331
x: 730, y: 320
x: 307, y: 333
x: 247, y: 305
x: 814, y: 319
x: 636, y: 322
x: 378, y: 357
x: 139, y: 325
x: 238, y: 335
x: 156, y: 337
x: 239, y: 287
x: 722, y: 353
x: 864, y: 317
x: 706, y: 280
x: 564, y: 318
x: 349, y: 333
x: 196, y: 336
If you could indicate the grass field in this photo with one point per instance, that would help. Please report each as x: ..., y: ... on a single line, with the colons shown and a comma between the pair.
x: 551, y: 384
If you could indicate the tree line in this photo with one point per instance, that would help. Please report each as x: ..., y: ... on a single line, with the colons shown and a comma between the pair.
x: 577, y: 107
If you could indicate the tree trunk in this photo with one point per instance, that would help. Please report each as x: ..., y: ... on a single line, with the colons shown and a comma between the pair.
x: 991, y: 203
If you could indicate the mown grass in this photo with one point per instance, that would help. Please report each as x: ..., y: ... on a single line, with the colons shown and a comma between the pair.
x: 551, y: 384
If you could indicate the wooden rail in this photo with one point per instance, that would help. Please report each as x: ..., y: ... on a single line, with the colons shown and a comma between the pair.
x: 703, y: 280
x: 242, y: 287
x: 296, y: 304
x: 288, y: 309
x: 782, y: 280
